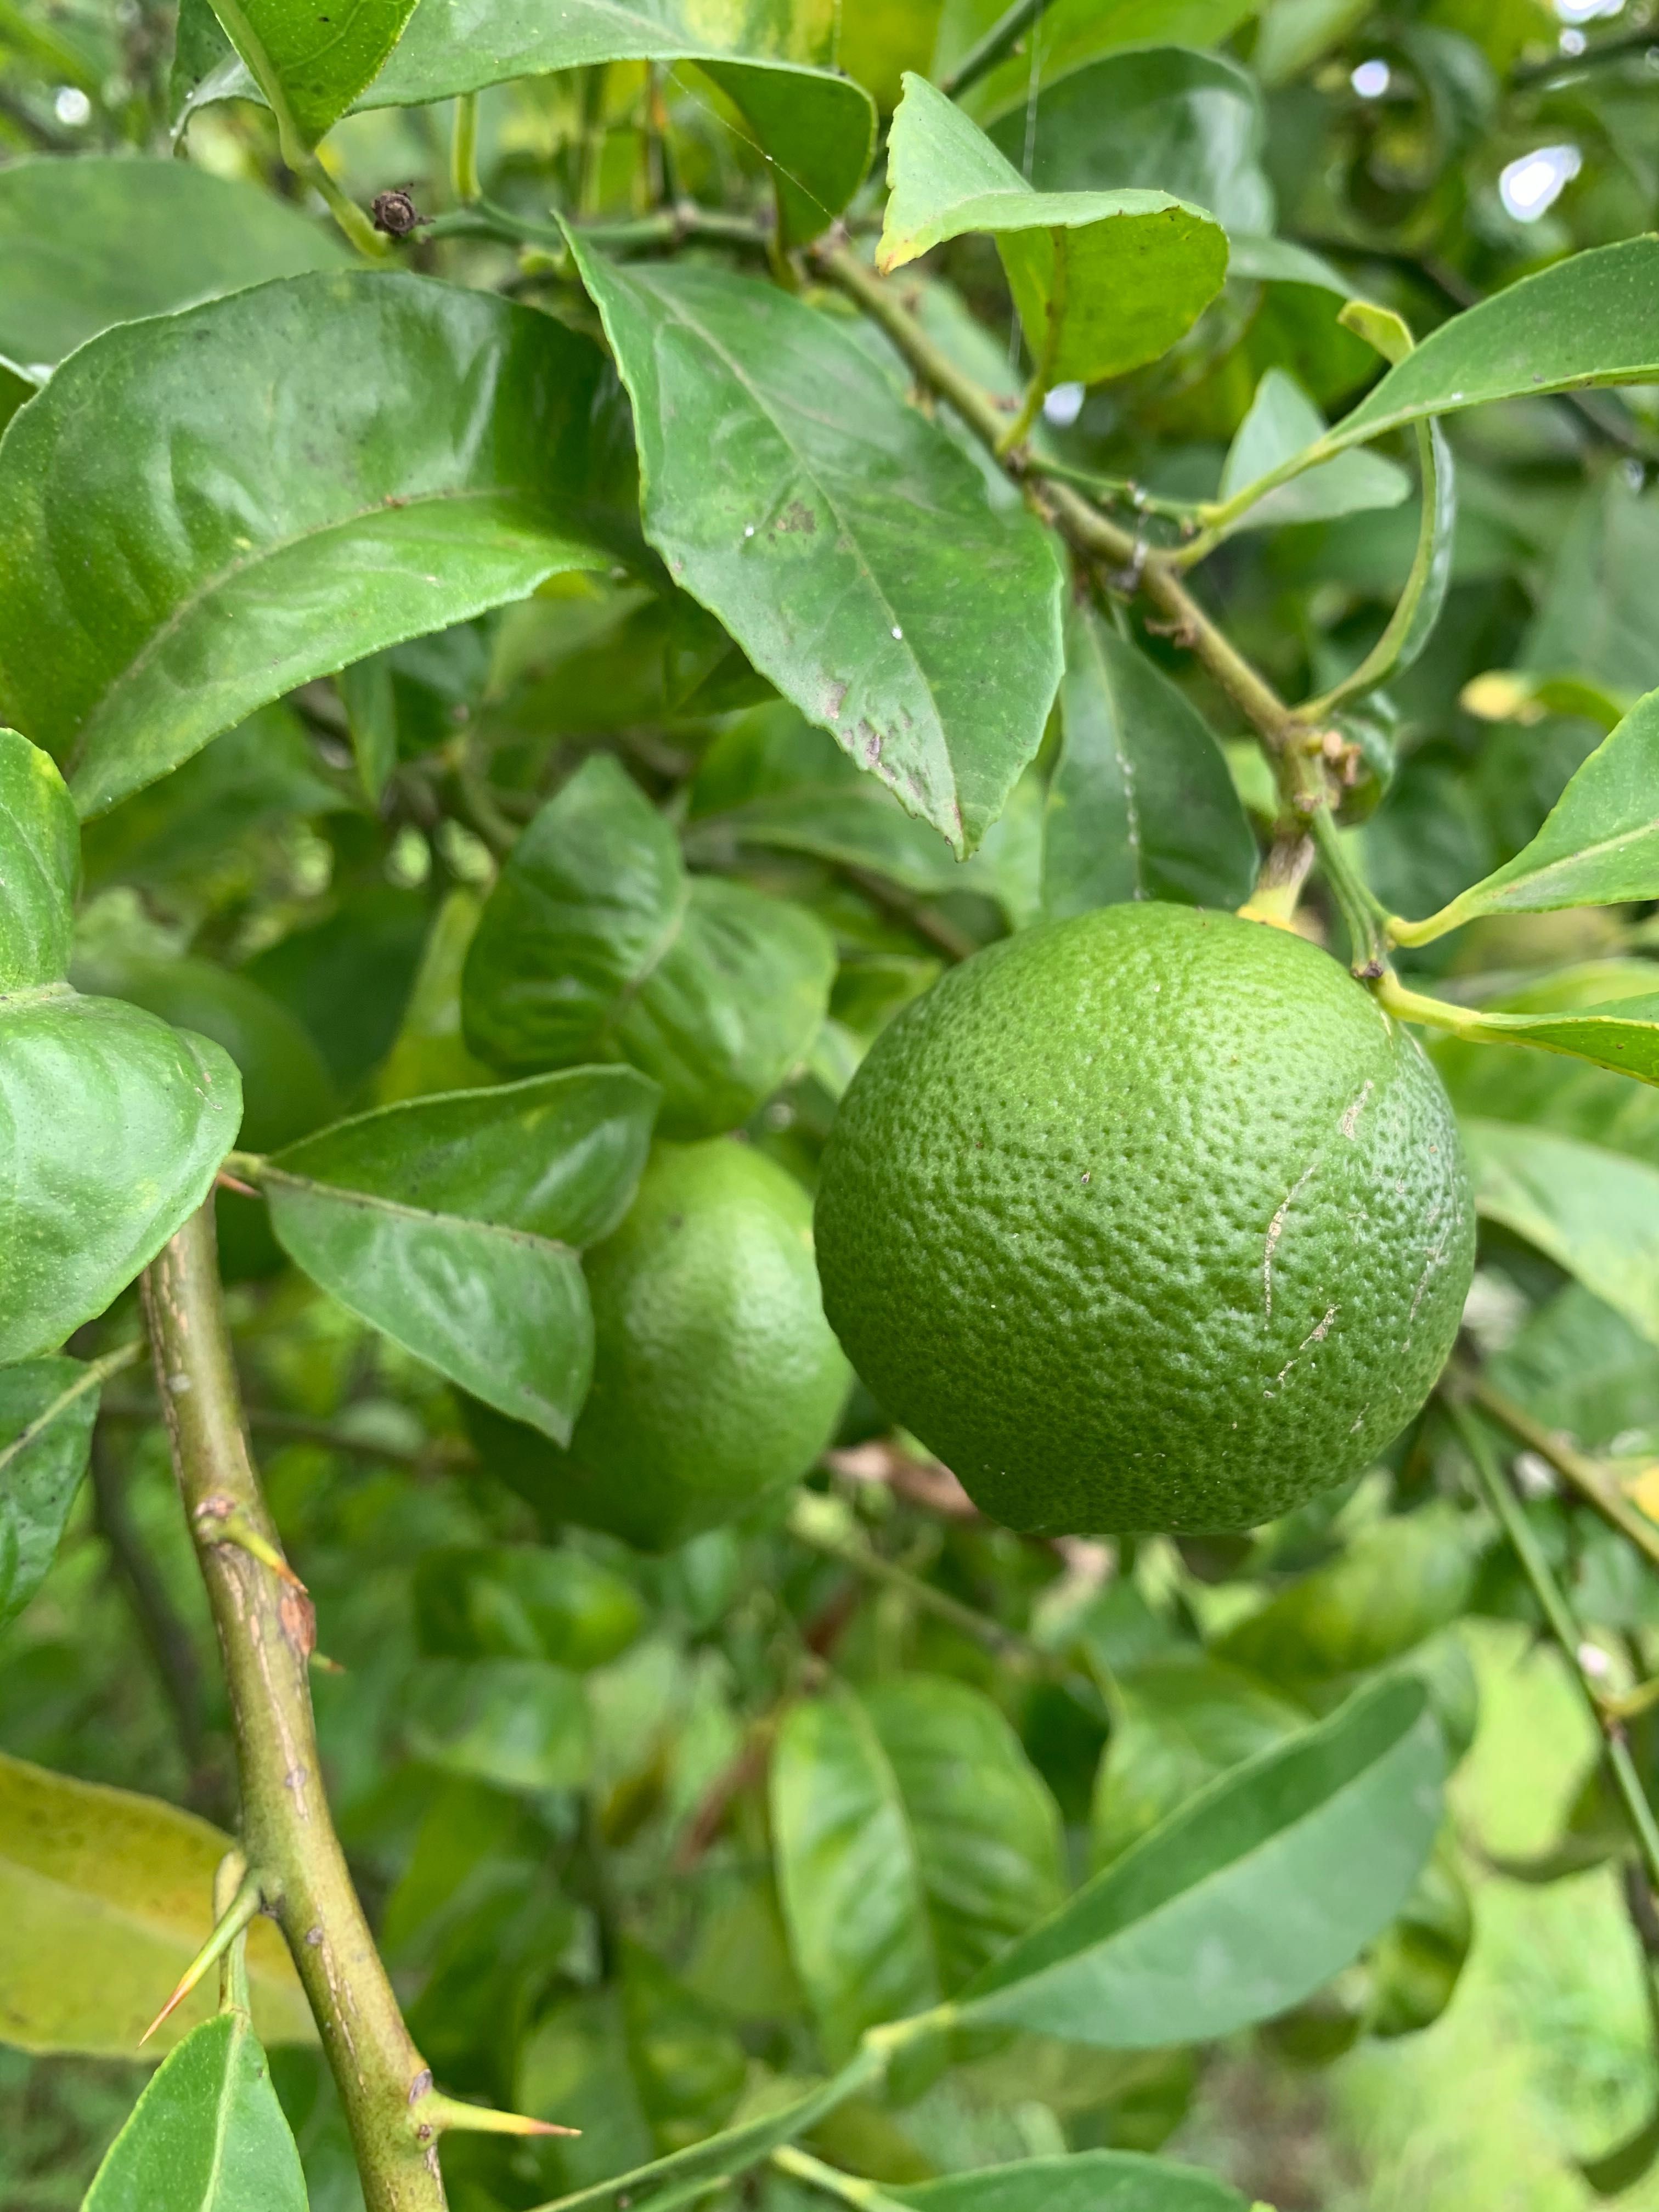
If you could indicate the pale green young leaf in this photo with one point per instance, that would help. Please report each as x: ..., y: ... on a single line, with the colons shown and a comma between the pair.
x: 40, y: 865
x: 207, y: 2134
x: 1277, y: 1875
x: 1103, y: 280
x: 101, y: 239
x: 1593, y: 1212
x: 372, y: 499
x: 1088, y: 2181
x: 47, y: 1408
x: 1598, y: 845
x: 850, y: 547
x: 1283, y: 420
x: 596, y: 945
x: 1141, y: 804
x: 105, y: 1898
x: 311, y: 65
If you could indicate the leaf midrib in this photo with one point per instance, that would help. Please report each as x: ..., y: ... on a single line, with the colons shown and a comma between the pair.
x: 370, y: 1201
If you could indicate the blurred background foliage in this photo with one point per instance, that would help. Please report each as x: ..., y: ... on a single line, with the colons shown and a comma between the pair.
x: 547, y: 1753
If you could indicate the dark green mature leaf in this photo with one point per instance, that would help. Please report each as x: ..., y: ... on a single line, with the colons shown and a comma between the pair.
x: 518, y: 1723
x: 1103, y: 280
x: 105, y: 1898
x: 112, y: 1128
x: 453, y: 1223
x: 311, y: 65
x: 207, y: 2135
x: 1593, y: 318
x: 47, y: 1408
x: 1089, y: 2181
x: 1276, y: 1876
x: 40, y: 867
x: 203, y: 511
x: 595, y: 944
x: 105, y: 239
x: 986, y: 1830
x: 523, y: 1601
x: 849, y: 1872
x: 1141, y: 804
x: 1594, y: 1212
x: 1163, y: 118
x: 816, y: 128
x: 1598, y: 845
x: 847, y: 544
x: 1281, y: 422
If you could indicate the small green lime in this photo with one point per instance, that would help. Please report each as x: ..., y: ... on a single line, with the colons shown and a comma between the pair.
x: 716, y: 1377
x: 1152, y: 1218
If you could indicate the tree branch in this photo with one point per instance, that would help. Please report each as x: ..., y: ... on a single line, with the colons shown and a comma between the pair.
x: 265, y: 1635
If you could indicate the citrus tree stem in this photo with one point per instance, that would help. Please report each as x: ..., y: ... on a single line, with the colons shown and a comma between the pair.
x: 265, y: 1635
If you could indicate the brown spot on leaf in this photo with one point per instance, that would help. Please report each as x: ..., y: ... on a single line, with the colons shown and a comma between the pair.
x: 797, y: 518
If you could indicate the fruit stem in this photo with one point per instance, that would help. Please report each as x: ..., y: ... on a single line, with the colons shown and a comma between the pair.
x: 1510, y: 1516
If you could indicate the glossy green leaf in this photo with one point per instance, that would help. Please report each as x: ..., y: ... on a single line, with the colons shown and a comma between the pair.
x: 1595, y: 619
x: 207, y: 2134
x: 1394, y: 1584
x: 595, y: 944
x: 112, y: 1125
x: 986, y: 1830
x: 518, y: 1723
x: 47, y: 1408
x: 1141, y: 804
x: 523, y: 1601
x: 453, y: 1224
x: 1598, y: 845
x: 1283, y: 420
x: 1103, y: 280
x: 311, y: 65
x: 105, y: 1898
x: 1423, y: 600
x: 1159, y: 117
x: 849, y: 1872
x: 846, y: 542
x: 1177, y: 1723
x: 103, y: 239
x: 1592, y: 319
x: 177, y: 547
x: 1089, y: 2181
x: 1621, y: 1034
x: 814, y: 126
x: 1593, y: 1212
x: 1276, y: 1876
x: 40, y: 867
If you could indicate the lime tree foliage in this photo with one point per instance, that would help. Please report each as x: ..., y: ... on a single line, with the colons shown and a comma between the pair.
x: 1033, y: 627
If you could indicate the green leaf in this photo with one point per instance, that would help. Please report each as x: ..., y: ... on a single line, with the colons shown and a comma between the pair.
x: 1276, y: 1876
x: 1177, y: 1723
x: 1103, y: 280
x: 1595, y: 619
x: 453, y: 1223
x: 1598, y: 845
x: 112, y: 1127
x: 1589, y: 320
x: 523, y: 1601
x: 1159, y: 117
x: 1074, y: 32
x: 1141, y: 804
x: 1088, y: 2181
x: 1283, y: 420
x: 595, y: 944
x: 986, y: 1830
x: 816, y: 128
x: 105, y: 1898
x: 1429, y: 578
x: 849, y: 1872
x: 311, y: 66
x: 371, y: 711
x: 47, y: 1408
x: 1621, y: 1034
x: 104, y: 239
x: 1593, y: 1212
x: 176, y: 547
x: 40, y: 865
x: 846, y: 543
x: 518, y: 1724
x: 207, y: 2135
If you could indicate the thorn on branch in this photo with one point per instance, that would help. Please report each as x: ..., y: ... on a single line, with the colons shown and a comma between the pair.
x: 243, y: 1908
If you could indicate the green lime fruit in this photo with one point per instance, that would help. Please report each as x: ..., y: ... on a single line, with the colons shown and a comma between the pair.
x: 1148, y: 1219
x: 716, y: 1377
